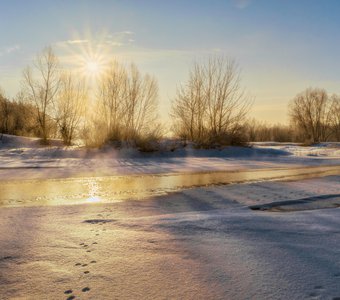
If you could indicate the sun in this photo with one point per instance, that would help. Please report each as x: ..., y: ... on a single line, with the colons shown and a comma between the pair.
x: 92, y: 67
x: 88, y: 55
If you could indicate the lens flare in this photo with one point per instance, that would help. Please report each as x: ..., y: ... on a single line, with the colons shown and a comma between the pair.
x: 87, y: 55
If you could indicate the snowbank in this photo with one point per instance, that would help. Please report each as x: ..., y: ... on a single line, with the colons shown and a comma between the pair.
x: 13, y: 141
x: 34, y: 161
x: 328, y: 150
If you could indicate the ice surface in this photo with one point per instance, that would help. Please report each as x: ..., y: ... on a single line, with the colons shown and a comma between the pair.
x: 202, y: 243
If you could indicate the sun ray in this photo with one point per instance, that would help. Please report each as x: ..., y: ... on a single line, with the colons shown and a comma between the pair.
x: 88, y: 56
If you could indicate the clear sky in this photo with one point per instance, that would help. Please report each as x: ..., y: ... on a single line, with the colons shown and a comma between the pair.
x: 282, y: 46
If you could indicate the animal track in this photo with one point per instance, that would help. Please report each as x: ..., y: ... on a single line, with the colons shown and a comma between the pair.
x: 87, y: 248
x: 313, y: 294
x: 99, y: 221
x: 6, y: 258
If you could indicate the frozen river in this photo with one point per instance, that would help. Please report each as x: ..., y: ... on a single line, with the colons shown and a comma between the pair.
x: 192, y: 237
x: 118, y: 188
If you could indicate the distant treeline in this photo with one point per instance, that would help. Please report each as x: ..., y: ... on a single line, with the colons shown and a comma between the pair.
x: 17, y: 117
x: 211, y: 109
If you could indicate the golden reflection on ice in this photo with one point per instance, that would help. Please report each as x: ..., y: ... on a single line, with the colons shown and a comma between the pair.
x: 93, y: 199
x: 93, y: 192
x: 120, y: 188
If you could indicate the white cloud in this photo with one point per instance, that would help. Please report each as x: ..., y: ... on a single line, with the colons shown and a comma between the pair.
x: 9, y: 49
x: 119, y: 39
x: 241, y: 4
x: 114, y: 43
x: 71, y: 42
x: 115, y: 39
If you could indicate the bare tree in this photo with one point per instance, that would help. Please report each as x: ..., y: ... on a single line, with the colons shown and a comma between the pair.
x: 142, y: 95
x: 16, y: 116
x: 5, y: 111
x: 70, y: 106
x: 113, y: 99
x: 335, y: 117
x: 263, y: 132
x: 310, y: 112
x: 127, y: 103
x: 41, y: 83
x: 189, y: 107
x: 211, y: 107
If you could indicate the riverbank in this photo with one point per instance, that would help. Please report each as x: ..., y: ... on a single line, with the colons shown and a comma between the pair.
x: 23, y: 158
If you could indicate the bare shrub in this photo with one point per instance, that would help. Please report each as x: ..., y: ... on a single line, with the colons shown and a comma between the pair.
x: 150, y: 142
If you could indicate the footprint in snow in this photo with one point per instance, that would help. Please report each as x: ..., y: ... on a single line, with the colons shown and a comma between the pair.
x: 98, y: 221
x: 313, y: 294
x: 318, y: 287
x: 85, y: 289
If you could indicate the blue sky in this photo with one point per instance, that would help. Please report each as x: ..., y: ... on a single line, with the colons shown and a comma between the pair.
x: 282, y: 46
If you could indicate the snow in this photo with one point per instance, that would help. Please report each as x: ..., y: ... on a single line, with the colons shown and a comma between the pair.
x: 14, y: 141
x: 33, y: 161
x: 66, y: 236
x: 202, y: 243
x: 322, y: 150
